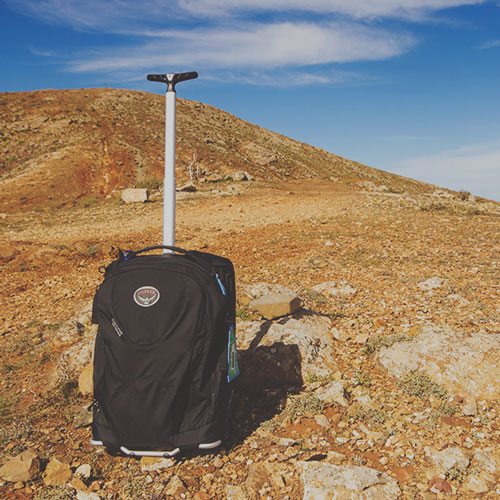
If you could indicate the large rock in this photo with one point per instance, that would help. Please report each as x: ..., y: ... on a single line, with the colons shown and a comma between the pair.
x: 56, y: 473
x: 276, y: 305
x: 135, y: 195
x: 85, y: 380
x: 282, y: 353
x: 23, y: 467
x: 325, y: 482
x: 460, y: 362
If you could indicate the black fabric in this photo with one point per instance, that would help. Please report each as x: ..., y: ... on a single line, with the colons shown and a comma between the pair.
x: 160, y: 363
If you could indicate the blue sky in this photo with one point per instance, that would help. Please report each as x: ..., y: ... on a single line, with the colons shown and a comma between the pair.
x: 408, y: 86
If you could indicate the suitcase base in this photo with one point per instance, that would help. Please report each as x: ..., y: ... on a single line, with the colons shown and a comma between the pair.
x: 165, y: 454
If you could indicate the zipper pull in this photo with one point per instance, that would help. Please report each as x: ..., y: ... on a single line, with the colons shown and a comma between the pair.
x: 221, y: 285
x: 118, y: 330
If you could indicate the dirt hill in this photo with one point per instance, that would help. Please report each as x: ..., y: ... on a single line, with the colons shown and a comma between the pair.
x: 384, y: 386
x: 62, y: 146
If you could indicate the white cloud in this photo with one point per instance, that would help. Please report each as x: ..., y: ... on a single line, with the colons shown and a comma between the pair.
x: 475, y: 168
x: 355, y: 8
x: 121, y: 15
x: 264, y: 46
x: 490, y: 44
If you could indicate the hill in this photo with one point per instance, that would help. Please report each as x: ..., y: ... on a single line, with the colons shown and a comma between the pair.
x: 67, y: 145
x: 384, y: 386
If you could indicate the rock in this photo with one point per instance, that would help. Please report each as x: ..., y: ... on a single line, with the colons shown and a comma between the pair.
x: 481, y: 483
x: 239, y: 176
x: 332, y: 288
x: 83, y: 495
x: 135, y: 195
x: 322, y: 420
x: 249, y: 176
x: 462, y: 363
x: 256, y: 479
x: 85, y: 382
x: 189, y: 187
x: 235, y: 493
x: 439, y: 193
x: 283, y: 353
x: 439, y: 485
x: 323, y: 481
x: 83, y: 471
x: 56, y: 473
x: 276, y: 305
x: 469, y: 406
x: 23, y: 467
x: 260, y: 289
x: 371, y: 186
x: 149, y: 464
x: 83, y: 417
x: 432, y: 283
x: 487, y: 460
x: 7, y: 253
x: 446, y: 459
x: 333, y: 392
x: 175, y: 487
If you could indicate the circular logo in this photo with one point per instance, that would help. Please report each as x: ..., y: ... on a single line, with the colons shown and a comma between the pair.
x: 146, y: 296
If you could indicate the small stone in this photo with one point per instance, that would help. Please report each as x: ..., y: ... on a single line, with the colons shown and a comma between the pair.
x: 135, y: 195
x: 84, y: 495
x: 469, y: 407
x: 322, y: 420
x: 333, y: 392
x: 217, y: 462
x: 239, y: 176
x: 332, y: 288
x: 23, y: 467
x: 7, y: 253
x: 432, y: 283
x: 150, y: 464
x: 83, y: 417
x: 83, y: 471
x: 235, y: 493
x: 56, y: 473
x: 446, y: 459
x: 189, y: 187
x: 85, y: 381
x: 175, y: 487
x: 440, y: 485
x: 276, y: 305
x: 478, y: 484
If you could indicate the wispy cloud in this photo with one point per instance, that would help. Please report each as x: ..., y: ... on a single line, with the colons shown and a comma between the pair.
x: 359, y: 9
x: 253, y: 46
x: 119, y: 15
x: 223, y: 35
x: 490, y: 44
x: 475, y: 168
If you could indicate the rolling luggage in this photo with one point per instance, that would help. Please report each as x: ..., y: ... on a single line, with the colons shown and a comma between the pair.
x: 165, y: 352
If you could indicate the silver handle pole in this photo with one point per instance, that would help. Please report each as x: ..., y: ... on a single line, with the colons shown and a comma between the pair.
x: 171, y: 79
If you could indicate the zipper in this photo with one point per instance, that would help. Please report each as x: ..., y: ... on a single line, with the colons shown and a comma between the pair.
x: 220, y: 284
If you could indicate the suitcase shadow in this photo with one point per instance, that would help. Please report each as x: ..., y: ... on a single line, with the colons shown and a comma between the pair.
x: 269, y: 374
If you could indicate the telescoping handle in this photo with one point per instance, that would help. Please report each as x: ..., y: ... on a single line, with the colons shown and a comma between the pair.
x: 171, y: 79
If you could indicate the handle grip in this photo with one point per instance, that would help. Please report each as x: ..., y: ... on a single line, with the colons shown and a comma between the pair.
x: 130, y: 254
x: 171, y: 79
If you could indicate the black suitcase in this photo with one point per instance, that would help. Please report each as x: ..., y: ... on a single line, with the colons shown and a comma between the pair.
x: 165, y: 352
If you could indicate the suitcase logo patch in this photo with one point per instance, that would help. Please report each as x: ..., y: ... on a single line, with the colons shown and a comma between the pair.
x: 146, y: 296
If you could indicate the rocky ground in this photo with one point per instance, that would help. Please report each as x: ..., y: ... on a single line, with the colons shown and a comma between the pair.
x: 383, y: 386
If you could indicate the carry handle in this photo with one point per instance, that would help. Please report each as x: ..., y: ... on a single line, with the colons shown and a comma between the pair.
x: 128, y: 254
